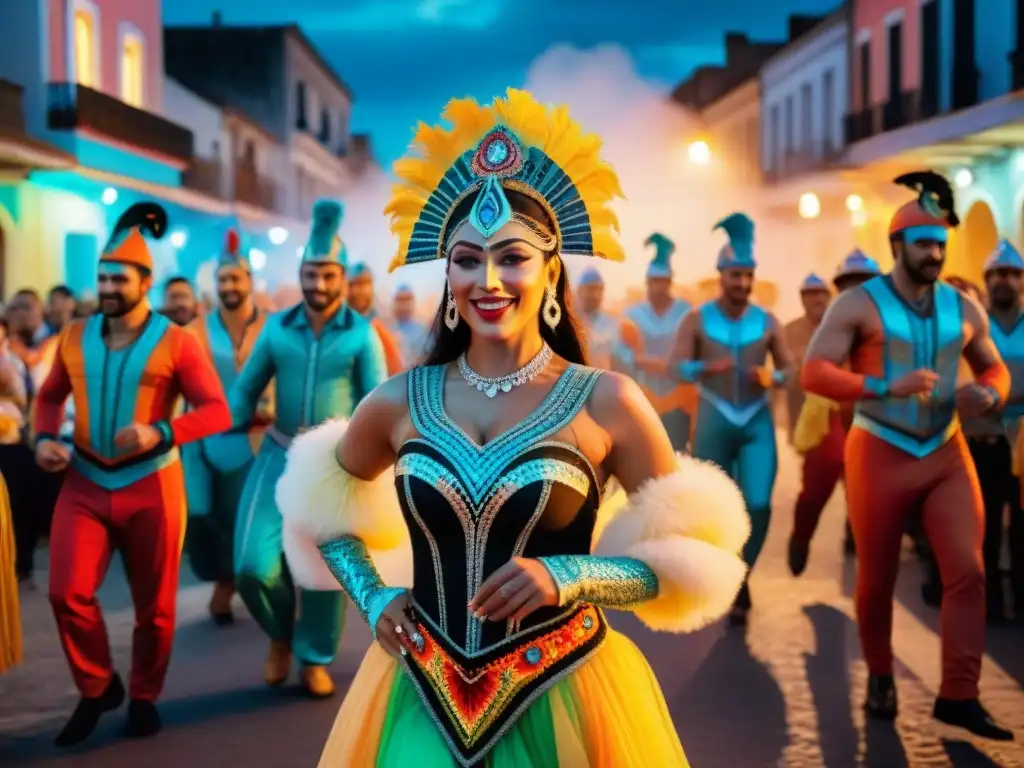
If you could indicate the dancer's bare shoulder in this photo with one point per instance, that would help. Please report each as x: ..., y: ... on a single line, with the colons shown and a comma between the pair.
x: 377, y: 429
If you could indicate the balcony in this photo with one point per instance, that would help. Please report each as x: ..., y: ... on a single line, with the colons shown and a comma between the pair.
x: 12, y: 117
x: 966, y: 81
x: 801, y: 161
x: 1017, y: 69
x: 253, y: 189
x: 859, y: 125
x: 75, y: 107
x: 204, y: 176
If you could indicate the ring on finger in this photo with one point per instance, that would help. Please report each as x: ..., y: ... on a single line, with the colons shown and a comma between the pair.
x: 505, y: 592
x: 398, y: 629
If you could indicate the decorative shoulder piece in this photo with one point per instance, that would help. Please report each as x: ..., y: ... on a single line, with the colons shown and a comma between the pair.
x: 321, y: 503
x: 517, y: 144
x: 689, y: 528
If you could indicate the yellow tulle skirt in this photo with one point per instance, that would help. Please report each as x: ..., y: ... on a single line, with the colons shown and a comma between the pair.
x: 10, y: 610
x: 610, y: 713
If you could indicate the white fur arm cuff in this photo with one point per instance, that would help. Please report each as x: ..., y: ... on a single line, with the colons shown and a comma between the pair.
x: 321, y: 502
x: 689, y: 527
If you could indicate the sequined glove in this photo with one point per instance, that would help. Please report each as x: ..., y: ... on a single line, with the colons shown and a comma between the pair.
x: 609, y: 582
x: 350, y: 562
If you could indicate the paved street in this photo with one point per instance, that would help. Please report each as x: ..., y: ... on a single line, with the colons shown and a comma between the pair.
x: 786, y: 692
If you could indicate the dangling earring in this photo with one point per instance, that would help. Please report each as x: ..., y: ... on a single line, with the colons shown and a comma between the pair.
x: 551, y: 312
x: 451, y: 312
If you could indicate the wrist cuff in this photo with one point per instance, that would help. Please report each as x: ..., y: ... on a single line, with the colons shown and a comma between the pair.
x: 166, y: 433
x: 691, y: 370
x: 875, y: 387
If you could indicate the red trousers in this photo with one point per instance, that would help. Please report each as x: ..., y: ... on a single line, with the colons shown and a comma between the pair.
x: 823, y: 469
x: 886, y: 485
x: 145, y: 522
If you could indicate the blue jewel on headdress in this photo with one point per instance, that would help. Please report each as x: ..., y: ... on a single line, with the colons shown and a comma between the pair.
x: 491, y: 211
x: 497, y: 153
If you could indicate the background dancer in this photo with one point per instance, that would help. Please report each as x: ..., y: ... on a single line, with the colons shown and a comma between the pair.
x: 723, y: 347
x: 127, y: 367
x: 324, y: 358
x: 904, y: 334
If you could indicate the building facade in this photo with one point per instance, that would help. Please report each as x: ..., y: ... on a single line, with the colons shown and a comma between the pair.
x: 936, y: 84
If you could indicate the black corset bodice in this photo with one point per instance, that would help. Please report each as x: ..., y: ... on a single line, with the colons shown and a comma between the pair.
x: 471, y: 509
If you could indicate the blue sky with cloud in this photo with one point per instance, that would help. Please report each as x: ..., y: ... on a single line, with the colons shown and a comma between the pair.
x: 405, y: 58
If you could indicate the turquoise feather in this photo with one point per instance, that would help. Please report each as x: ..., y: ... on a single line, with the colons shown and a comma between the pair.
x: 663, y: 250
x: 739, y: 228
x: 327, y: 216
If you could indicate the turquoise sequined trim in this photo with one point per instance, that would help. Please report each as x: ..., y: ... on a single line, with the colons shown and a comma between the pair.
x: 609, y: 582
x: 350, y: 562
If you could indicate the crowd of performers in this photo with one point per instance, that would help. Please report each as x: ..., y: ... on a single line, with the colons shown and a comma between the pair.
x: 162, y: 422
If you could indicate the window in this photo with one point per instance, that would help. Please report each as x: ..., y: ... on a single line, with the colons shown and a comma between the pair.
x: 828, y: 85
x: 895, y: 61
x: 930, y: 58
x: 300, y: 106
x: 773, y: 140
x: 790, y: 143
x: 806, y: 117
x: 325, y: 125
x: 86, y: 44
x: 864, y: 57
x: 133, y: 68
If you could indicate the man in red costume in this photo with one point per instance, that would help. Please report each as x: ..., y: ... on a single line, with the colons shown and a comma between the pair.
x: 904, y: 334
x: 126, y: 367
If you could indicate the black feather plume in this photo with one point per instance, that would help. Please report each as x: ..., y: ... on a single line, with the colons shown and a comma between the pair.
x: 934, y: 192
x: 150, y: 218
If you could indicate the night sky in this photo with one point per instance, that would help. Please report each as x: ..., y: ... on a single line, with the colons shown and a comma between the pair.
x: 405, y: 58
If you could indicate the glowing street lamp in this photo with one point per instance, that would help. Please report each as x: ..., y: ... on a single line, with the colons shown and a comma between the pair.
x: 809, y: 206
x: 854, y: 203
x: 964, y: 178
x: 699, y: 153
x: 257, y: 258
x: 178, y: 239
x: 277, y: 235
x: 109, y: 196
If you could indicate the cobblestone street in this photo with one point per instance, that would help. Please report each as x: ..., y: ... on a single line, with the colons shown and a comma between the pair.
x: 786, y: 692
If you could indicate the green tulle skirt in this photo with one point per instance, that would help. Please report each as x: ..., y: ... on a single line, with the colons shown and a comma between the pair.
x: 609, y: 713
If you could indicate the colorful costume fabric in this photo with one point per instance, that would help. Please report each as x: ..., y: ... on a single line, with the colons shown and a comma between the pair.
x: 216, y: 468
x: 991, y: 440
x: 412, y: 335
x: 10, y: 608
x: 734, y: 426
x: 671, y: 398
x: 134, y: 502
x: 316, y: 378
x: 906, y: 454
x: 552, y: 687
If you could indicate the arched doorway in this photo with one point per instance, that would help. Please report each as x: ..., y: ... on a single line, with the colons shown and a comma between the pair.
x: 972, y: 243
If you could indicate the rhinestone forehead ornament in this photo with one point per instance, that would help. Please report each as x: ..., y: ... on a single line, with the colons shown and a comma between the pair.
x: 497, y: 156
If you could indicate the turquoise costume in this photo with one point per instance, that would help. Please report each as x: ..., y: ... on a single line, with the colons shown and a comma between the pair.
x: 316, y: 378
x: 216, y: 468
x: 734, y: 426
x: 658, y: 334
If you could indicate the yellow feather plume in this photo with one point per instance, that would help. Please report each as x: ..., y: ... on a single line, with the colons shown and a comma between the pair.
x: 436, y: 148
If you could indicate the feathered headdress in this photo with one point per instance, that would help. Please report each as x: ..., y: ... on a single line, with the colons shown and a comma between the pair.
x: 739, y: 251
x: 857, y: 264
x: 232, y: 255
x: 518, y: 144
x: 325, y: 245
x: 1005, y: 256
x: 935, y: 205
x: 661, y: 264
x: 127, y: 243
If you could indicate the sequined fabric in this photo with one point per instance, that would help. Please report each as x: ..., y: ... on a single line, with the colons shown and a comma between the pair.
x: 474, y: 699
x: 350, y: 562
x: 470, y: 509
x: 611, y: 582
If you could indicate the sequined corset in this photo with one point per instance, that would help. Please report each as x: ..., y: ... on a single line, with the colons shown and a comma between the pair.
x: 743, y: 339
x: 470, y: 509
x: 913, y: 340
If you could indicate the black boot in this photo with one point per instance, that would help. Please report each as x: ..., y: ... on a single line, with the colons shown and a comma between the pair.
x: 741, y: 607
x: 798, y: 554
x: 970, y: 715
x: 881, y: 699
x: 849, y: 548
x: 143, y: 719
x: 995, y: 610
x: 88, y: 712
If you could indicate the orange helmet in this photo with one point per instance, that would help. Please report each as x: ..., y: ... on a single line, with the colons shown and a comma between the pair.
x: 933, y: 213
x: 127, y: 244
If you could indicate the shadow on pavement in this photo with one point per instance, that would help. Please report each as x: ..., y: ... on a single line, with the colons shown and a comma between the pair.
x: 732, y: 698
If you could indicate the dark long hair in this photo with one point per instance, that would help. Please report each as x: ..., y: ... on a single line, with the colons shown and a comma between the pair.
x: 565, y: 339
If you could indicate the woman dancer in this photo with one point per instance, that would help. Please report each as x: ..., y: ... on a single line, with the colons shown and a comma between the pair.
x: 501, y: 445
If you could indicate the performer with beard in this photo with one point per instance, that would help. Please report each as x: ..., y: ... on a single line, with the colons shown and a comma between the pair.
x: 658, y: 320
x: 819, y: 434
x: 216, y: 468
x: 990, y: 437
x: 124, y: 489
x: 904, y: 334
x: 612, y: 344
x: 723, y: 347
x: 324, y: 357
x: 360, y: 298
